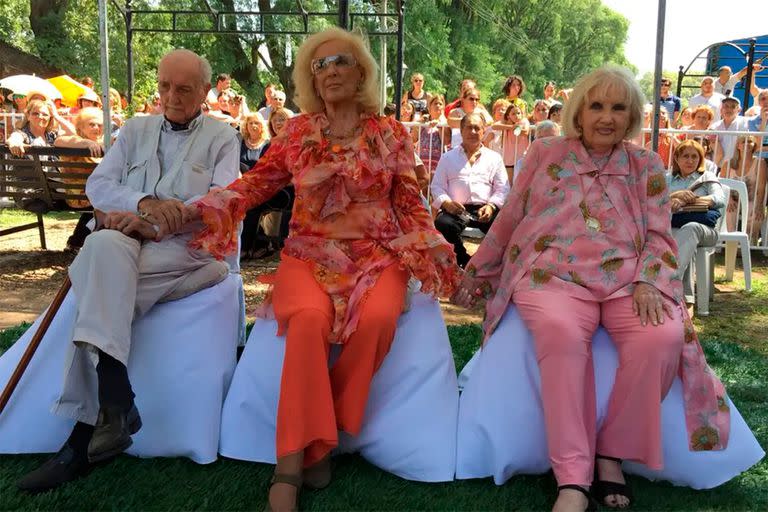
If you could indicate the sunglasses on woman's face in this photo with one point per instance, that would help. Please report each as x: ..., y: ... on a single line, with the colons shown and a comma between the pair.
x: 342, y: 60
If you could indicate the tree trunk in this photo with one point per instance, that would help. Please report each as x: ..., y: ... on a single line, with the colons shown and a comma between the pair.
x: 46, y: 20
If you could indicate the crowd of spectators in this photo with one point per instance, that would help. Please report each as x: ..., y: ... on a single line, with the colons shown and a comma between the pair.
x: 510, y: 123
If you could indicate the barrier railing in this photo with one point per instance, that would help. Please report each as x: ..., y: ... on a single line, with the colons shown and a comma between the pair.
x: 750, y: 168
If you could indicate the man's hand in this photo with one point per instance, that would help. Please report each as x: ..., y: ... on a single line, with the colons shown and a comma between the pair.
x: 649, y: 304
x: 453, y: 207
x: 168, y: 214
x: 130, y: 224
x: 485, y: 213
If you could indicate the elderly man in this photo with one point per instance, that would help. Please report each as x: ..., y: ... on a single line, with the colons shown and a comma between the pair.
x: 708, y: 97
x: 730, y: 121
x: 469, y: 187
x: 158, y: 164
x: 277, y: 101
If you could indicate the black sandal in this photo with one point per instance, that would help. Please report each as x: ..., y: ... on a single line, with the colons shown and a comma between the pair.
x: 591, y: 503
x: 601, y: 489
x: 282, y: 478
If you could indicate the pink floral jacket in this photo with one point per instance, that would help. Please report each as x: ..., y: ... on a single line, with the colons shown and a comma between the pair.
x: 357, y: 211
x: 546, y: 199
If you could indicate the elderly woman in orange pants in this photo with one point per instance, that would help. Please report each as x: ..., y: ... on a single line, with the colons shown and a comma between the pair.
x: 358, y: 232
x: 584, y: 239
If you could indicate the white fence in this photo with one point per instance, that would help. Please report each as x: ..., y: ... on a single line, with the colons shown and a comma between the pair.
x: 751, y: 169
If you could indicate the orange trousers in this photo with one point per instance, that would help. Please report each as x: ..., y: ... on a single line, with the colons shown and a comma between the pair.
x: 317, y: 401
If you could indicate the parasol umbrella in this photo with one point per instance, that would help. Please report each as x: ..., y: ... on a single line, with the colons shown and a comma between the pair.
x: 24, y: 84
x: 69, y: 88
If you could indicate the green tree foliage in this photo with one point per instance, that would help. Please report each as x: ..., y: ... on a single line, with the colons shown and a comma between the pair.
x: 446, y: 40
x: 690, y: 85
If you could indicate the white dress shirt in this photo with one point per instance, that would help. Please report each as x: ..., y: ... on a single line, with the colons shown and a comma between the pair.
x: 483, y: 182
x: 712, y: 102
x: 728, y: 142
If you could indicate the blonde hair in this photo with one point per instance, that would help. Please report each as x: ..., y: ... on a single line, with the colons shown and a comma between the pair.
x: 114, y: 97
x: 602, y: 80
x: 501, y: 102
x: 272, y: 115
x: 368, y: 92
x: 52, y: 124
x: 86, y: 115
x: 244, y: 127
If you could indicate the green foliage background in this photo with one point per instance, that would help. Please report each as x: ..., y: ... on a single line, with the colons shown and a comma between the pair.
x: 446, y: 40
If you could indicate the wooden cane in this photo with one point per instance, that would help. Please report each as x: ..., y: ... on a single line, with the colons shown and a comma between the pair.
x: 34, y: 343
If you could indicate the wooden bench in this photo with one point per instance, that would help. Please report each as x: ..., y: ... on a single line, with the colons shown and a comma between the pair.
x: 36, y: 183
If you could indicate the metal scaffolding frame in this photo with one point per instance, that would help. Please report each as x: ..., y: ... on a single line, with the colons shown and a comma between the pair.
x: 141, y: 21
x: 753, y: 53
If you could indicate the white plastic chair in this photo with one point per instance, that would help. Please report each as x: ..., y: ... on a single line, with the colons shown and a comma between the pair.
x: 731, y: 238
x: 705, y: 269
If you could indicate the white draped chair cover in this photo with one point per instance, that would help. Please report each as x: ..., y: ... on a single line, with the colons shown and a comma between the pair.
x: 410, y: 420
x: 501, y: 423
x: 182, y: 360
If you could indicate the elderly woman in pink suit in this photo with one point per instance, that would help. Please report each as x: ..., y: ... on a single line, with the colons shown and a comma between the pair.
x: 584, y: 239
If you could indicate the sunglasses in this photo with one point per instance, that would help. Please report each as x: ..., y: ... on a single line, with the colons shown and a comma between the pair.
x: 472, y: 98
x: 417, y: 80
x: 342, y: 60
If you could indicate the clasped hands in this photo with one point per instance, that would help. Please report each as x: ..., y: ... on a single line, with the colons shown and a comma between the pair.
x: 484, y: 214
x: 157, y: 218
x: 683, y: 198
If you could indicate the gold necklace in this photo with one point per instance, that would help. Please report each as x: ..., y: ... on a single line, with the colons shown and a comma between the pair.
x: 341, y: 136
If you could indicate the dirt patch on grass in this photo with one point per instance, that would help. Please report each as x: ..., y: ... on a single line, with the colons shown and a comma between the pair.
x: 31, y: 277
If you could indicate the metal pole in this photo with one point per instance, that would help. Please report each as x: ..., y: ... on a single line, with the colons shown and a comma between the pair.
x: 344, y: 14
x: 657, y: 73
x: 400, y: 56
x: 129, y: 50
x: 104, y: 36
x: 383, y: 57
x: 748, y: 78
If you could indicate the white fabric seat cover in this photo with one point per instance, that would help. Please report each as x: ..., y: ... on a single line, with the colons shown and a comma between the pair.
x: 501, y: 423
x: 181, y: 363
x: 410, y: 420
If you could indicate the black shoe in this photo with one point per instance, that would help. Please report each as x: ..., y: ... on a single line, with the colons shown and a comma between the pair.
x: 601, y: 489
x: 63, y: 467
x: 591, y: 503
x: 112, y: 433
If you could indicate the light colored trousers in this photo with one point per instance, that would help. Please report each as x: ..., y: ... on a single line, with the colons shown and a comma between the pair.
x: 562, y: 327
x: 688, y: 238
x: 115, y: 279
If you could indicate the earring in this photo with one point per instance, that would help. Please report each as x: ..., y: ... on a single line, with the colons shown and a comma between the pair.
x: 360, y: 85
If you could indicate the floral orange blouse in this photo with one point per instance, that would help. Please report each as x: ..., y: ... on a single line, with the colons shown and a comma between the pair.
x: 357, y: 211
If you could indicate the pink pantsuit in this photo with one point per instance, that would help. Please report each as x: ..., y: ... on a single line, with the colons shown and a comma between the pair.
x: 568, y: 248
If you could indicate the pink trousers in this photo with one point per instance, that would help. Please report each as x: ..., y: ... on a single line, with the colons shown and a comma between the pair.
x: 649, y: 356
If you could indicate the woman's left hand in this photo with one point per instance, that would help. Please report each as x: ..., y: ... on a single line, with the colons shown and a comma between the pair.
x: 649, y: 304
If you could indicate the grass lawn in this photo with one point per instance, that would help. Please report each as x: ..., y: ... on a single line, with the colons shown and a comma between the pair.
x: 735, y: 341
x: 10, y: 217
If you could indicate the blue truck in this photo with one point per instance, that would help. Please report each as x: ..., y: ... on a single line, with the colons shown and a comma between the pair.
x: 734, y: 54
